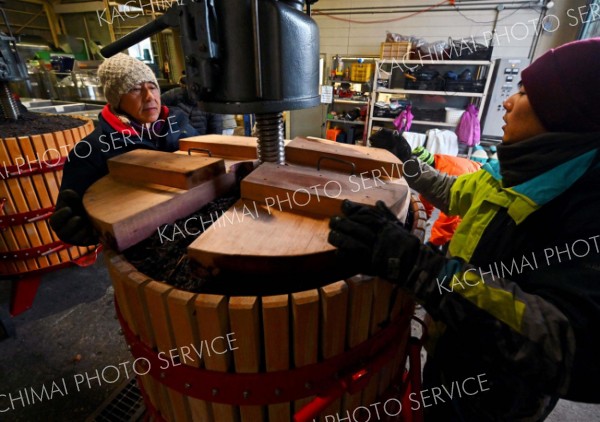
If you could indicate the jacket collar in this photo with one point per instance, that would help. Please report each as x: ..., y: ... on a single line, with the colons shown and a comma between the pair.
x: 123, y: 124
x: 528, y: 159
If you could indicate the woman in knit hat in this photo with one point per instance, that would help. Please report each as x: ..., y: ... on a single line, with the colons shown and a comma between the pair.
x: 133, y: 118
x: 516, y: 303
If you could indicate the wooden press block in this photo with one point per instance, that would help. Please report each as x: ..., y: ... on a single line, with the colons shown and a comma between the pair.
x: 266, y: 241
x: 165, y: 168
x: 224, y: 146
x: 125, y: 214
x: 231, y: 165
x: 304, y: 189
x: 308, y: 151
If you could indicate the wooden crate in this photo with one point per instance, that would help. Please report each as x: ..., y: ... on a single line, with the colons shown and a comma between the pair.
x: 395, y: 50
x: 361, y: 72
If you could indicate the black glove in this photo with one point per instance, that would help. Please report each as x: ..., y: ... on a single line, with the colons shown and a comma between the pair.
x: 376, y: 240
x: 393, y: 141
x: 70, y: 222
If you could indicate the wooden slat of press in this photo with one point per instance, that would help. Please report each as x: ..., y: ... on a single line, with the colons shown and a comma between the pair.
x: 163, y: 168
x: 132, y: 286
x: 85, y: 129
x: 42, y: 196
x: 212, y: 317
x: 381, y: 308
x: 185, y: 332
x: 24, y: 233
x: 54, y: 141
x: 305, y: 323
x: 21, y: 192
x: 334, y: 311
x: 245, y: 323
x: 8, y: 235
x: 119, y: 269
x: 9, y: 240
x: 359, y: 323
x: 156, y: 298
x: 53, y: 181
x: 276, y: 329
x: 13, y: 235
x: 71, y: 137
x: 5, y: 266
x: 25, y: 200
x: 79, y: 132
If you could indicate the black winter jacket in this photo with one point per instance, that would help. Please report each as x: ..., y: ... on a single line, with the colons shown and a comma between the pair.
x: 204, y: 123
x: 86, y: 162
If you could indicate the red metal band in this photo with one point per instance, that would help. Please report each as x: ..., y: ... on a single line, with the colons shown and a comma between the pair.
x: 33, y: 253
x: 353, y: 369
x: 35, y: 167
x: 83, y: 261
x: 9, y: 220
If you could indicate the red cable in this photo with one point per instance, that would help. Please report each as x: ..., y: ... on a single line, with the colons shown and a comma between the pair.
x: 316, y: 12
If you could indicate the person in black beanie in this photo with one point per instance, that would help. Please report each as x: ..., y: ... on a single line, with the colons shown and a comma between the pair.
x: 133, y: 118
x: 517, y: 299
x: 205, y: 123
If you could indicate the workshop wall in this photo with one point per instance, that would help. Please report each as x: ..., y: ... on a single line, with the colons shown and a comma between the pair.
x: 515, y: 32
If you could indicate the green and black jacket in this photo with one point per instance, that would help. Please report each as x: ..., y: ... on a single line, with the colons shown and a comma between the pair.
x: 520, y: 298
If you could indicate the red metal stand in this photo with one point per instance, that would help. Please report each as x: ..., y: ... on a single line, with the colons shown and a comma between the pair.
x: 24, y: 288
x: 22, y: 293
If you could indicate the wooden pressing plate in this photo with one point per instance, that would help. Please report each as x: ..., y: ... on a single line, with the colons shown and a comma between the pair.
x: 306, y: 190
x: 125, y: 214
x: 165, y: 187
x: 253, y: 244
x: 258, y: 242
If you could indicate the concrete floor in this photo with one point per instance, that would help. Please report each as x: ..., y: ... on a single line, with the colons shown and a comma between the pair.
x: 71, y: 333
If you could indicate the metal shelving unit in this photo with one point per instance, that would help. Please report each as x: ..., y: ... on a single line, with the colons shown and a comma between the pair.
x: 342, y: 104
x: 484, y: 69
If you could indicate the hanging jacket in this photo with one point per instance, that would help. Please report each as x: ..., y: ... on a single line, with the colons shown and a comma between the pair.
x: 520, y: 299
x: 404, y: 120
x: 468, y: 130
x: 205, y: 123
x: 86, y: 162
